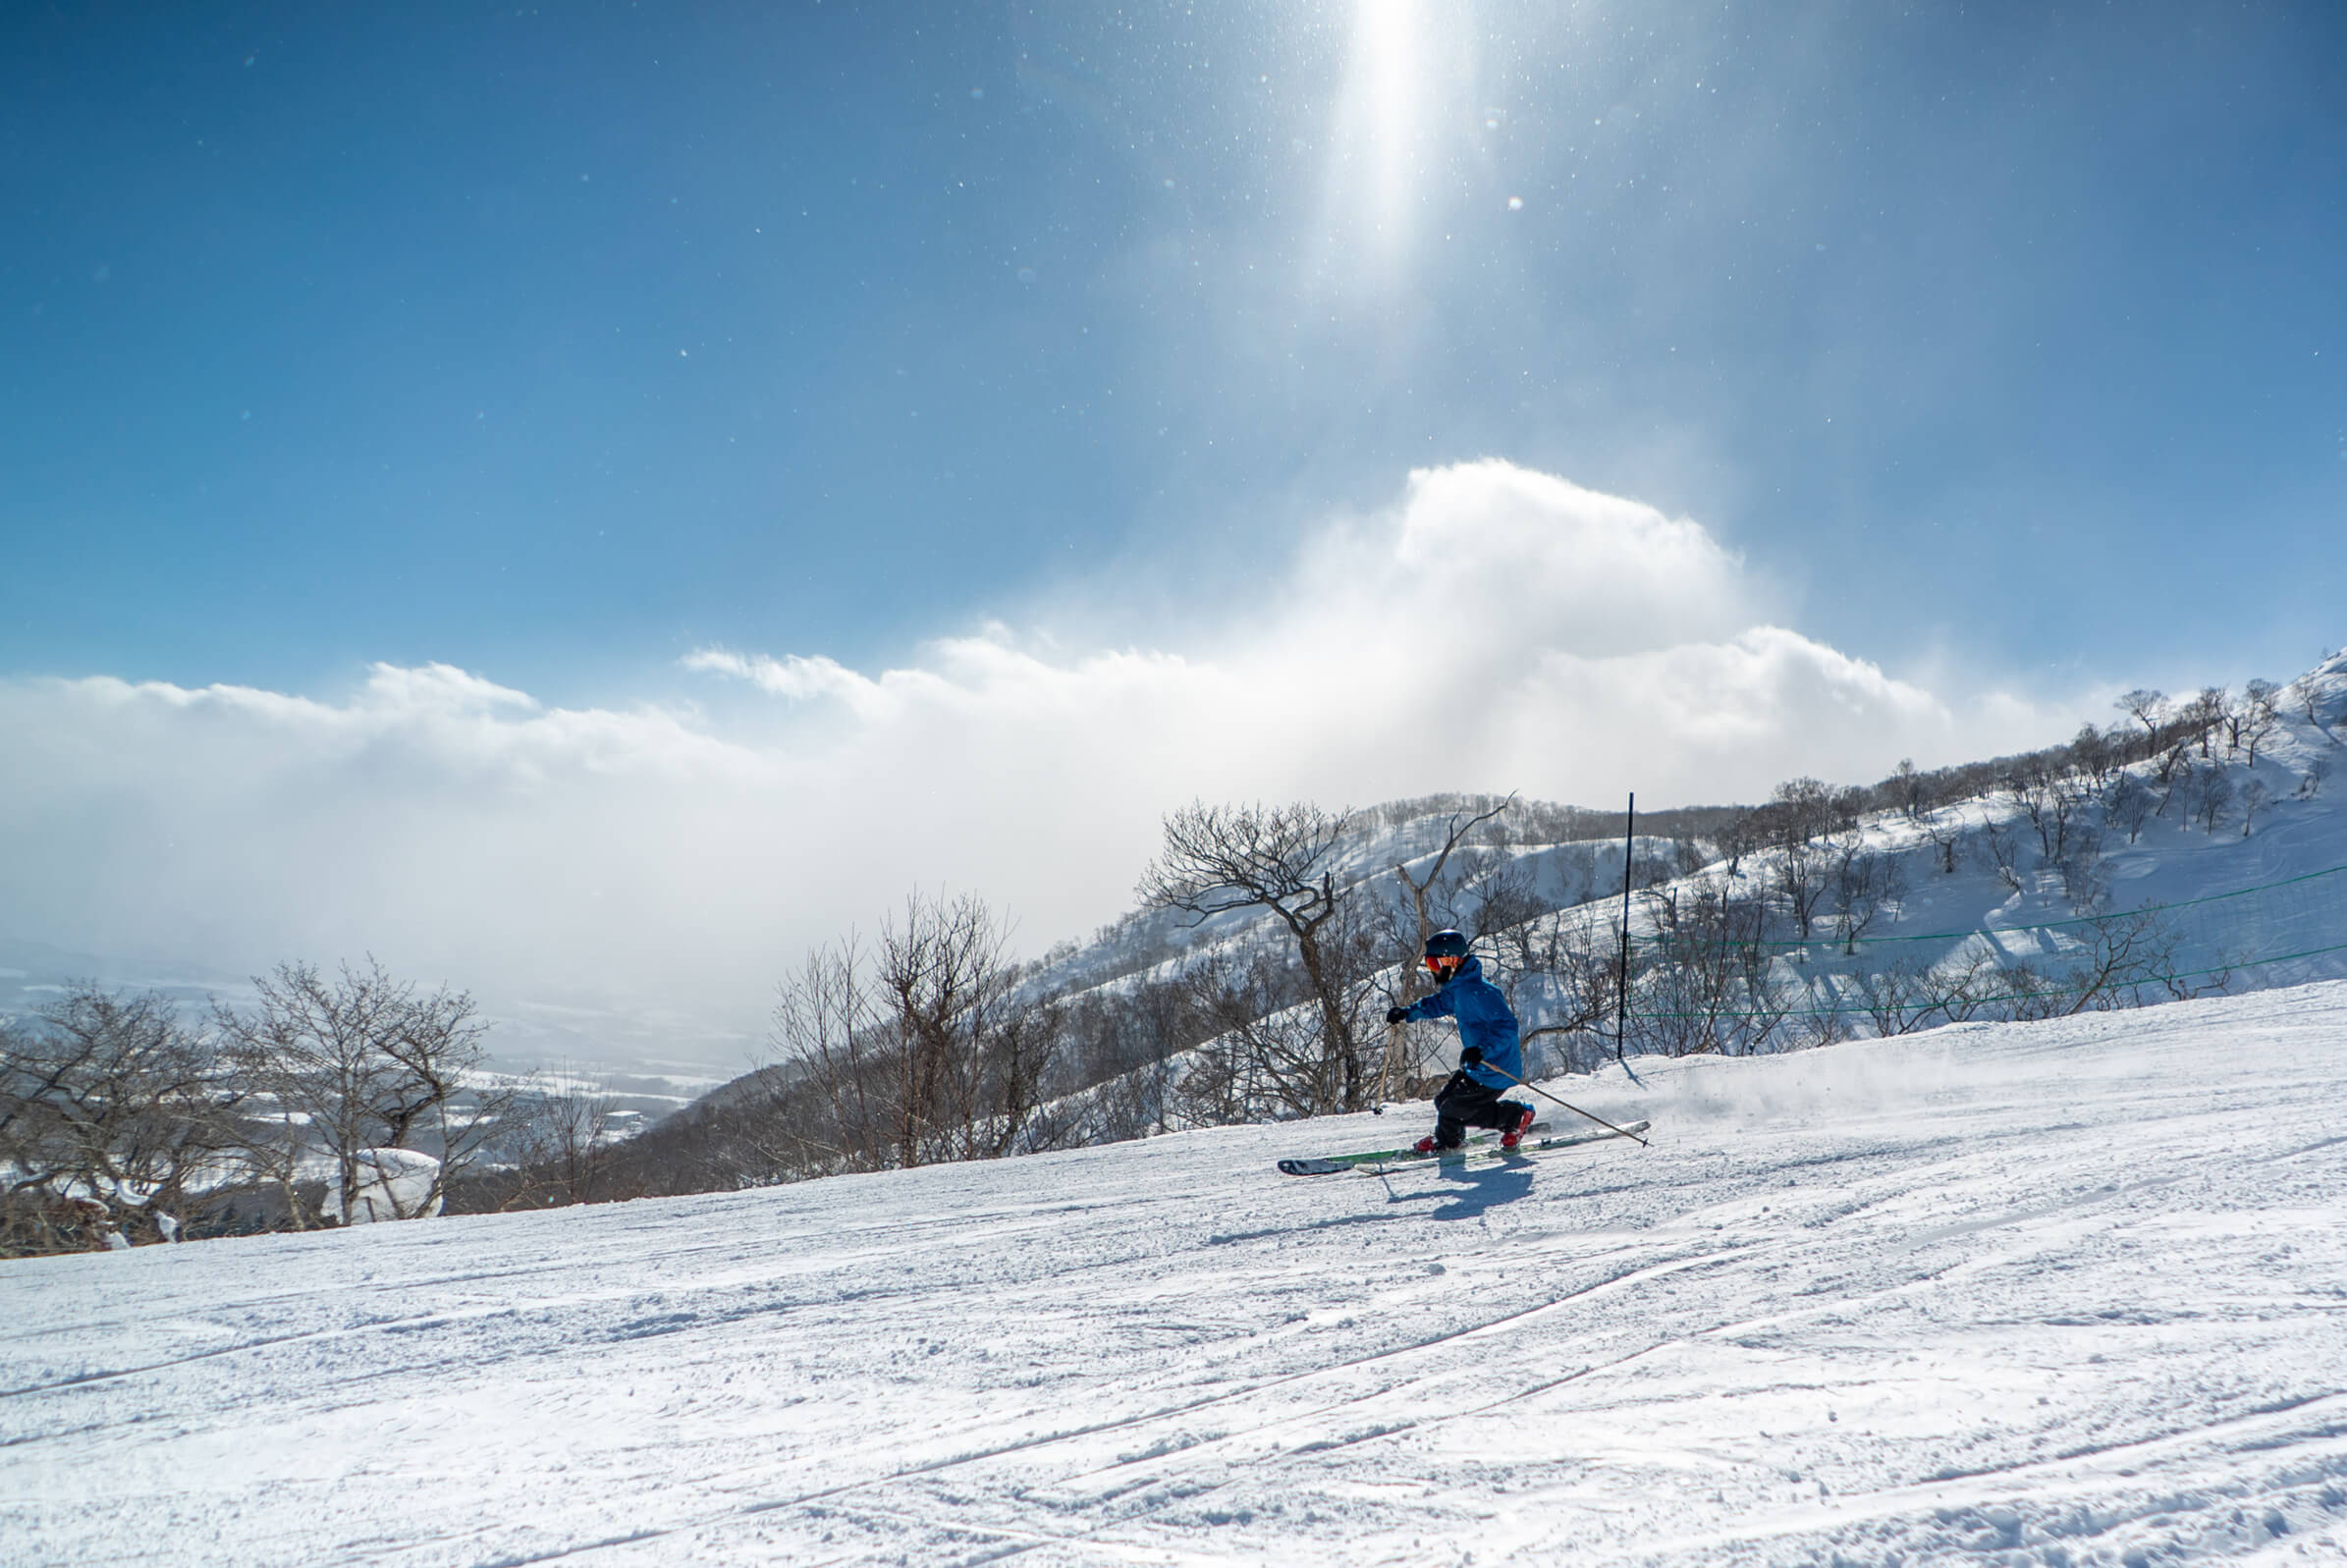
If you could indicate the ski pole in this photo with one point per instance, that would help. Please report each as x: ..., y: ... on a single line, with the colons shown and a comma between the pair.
x: 1575, y: 1110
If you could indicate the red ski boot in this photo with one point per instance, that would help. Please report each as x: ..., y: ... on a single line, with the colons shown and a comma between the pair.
x: 1514, y: 1134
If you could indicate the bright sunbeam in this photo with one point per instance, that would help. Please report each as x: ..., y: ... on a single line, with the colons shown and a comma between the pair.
x: 1390, y: 66
x: 1378, y: 153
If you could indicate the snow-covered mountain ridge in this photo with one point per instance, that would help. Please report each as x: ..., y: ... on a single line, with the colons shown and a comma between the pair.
x: 1959, y: 870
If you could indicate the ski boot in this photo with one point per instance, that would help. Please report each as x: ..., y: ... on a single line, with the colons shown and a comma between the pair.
x: 1513, y: 1133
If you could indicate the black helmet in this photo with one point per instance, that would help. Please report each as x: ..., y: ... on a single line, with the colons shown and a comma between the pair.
x: 1447, y: 945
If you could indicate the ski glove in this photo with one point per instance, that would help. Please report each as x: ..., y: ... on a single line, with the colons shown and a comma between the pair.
x: 1397, y: 1014
x: 1472, y: 1056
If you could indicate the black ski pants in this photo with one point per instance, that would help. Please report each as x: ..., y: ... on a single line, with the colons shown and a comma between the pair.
x: 1465, y: 1103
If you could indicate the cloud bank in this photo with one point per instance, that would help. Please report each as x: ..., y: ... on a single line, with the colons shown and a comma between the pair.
x: 1496, y: 628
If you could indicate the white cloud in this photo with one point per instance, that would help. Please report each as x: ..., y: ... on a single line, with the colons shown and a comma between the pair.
x: 1498, y: 629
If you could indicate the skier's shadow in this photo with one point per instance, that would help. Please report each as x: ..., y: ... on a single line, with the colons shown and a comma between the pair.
x: 1464, y: 1194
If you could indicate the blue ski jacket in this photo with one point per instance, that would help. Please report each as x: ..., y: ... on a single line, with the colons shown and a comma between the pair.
x: 1485, y: 1020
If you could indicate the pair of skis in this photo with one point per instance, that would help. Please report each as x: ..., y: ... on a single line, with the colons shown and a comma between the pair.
x: 1482, y: 1146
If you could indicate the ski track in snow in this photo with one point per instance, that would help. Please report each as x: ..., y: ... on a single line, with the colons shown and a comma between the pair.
x: 2062, y: 1294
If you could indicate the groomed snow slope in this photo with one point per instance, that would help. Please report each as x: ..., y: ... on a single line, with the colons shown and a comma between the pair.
x: 2061, y: 1294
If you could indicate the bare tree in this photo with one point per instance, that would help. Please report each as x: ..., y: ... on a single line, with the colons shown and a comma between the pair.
x: 1907, y: 789
x: 1492, y: 892
x: 2205, y: 714
x: 2126, y: 960
x: 2080, y: 867
x: 1828, y: 1017
x: 2092, y: 753
x: 1797, y: 873
x: 2145, y: 707
x: 1122, y: 1047
x: 828, y: 1025
x: 1913, y: 992
x: 2254, y: 797
x: 1267, y: 1056
x: 1864, y: 885
x: 2209, y: 797
x: 934, y: 970
x: 2310, y: 696
x: 563, y: 1144
x: 929, y: 1047
x: 1710, y: 981
x: 1743, y: 833
x: 1809, y: 808
x: 356, y: 1062
x: 2127, y: 804
x: 2054, y: 799
x: 2003, y: 845
x: 1894, y: 997
x: 1800, y: 825
x: 1945, y: 834
x: 1220, y: 859
x: 2261, y: 712
x: 1456, y: 833
x: 1562, y: 974
x: 113, y: 1113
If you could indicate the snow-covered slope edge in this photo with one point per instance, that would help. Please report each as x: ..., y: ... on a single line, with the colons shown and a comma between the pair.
x: 2059, y: 1294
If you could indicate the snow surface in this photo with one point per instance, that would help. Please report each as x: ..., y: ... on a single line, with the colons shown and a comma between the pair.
x: 2063, y: 1293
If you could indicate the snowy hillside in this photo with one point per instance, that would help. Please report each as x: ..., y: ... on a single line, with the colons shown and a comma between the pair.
x: 1565, y: 855
x: 2061, y: 1294
x: 2272, y: 820
x: 2239, y: 853
x: 2189, y: 849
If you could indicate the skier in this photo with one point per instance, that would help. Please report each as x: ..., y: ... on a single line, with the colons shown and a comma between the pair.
x: 1491, y: 1059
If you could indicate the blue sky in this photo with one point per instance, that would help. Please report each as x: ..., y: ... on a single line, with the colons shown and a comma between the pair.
x: 555, y: 344
x: 857, y: 414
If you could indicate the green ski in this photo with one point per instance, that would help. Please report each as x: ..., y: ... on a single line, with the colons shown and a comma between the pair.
x: 1480, y: 1147
x: 1386, y: 1157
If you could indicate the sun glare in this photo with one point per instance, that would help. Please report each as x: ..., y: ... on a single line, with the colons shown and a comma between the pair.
x: 1377, y: 151
x: 1390, y: 68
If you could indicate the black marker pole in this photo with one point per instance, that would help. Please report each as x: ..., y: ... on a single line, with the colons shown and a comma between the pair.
x: 1621, y: 1016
